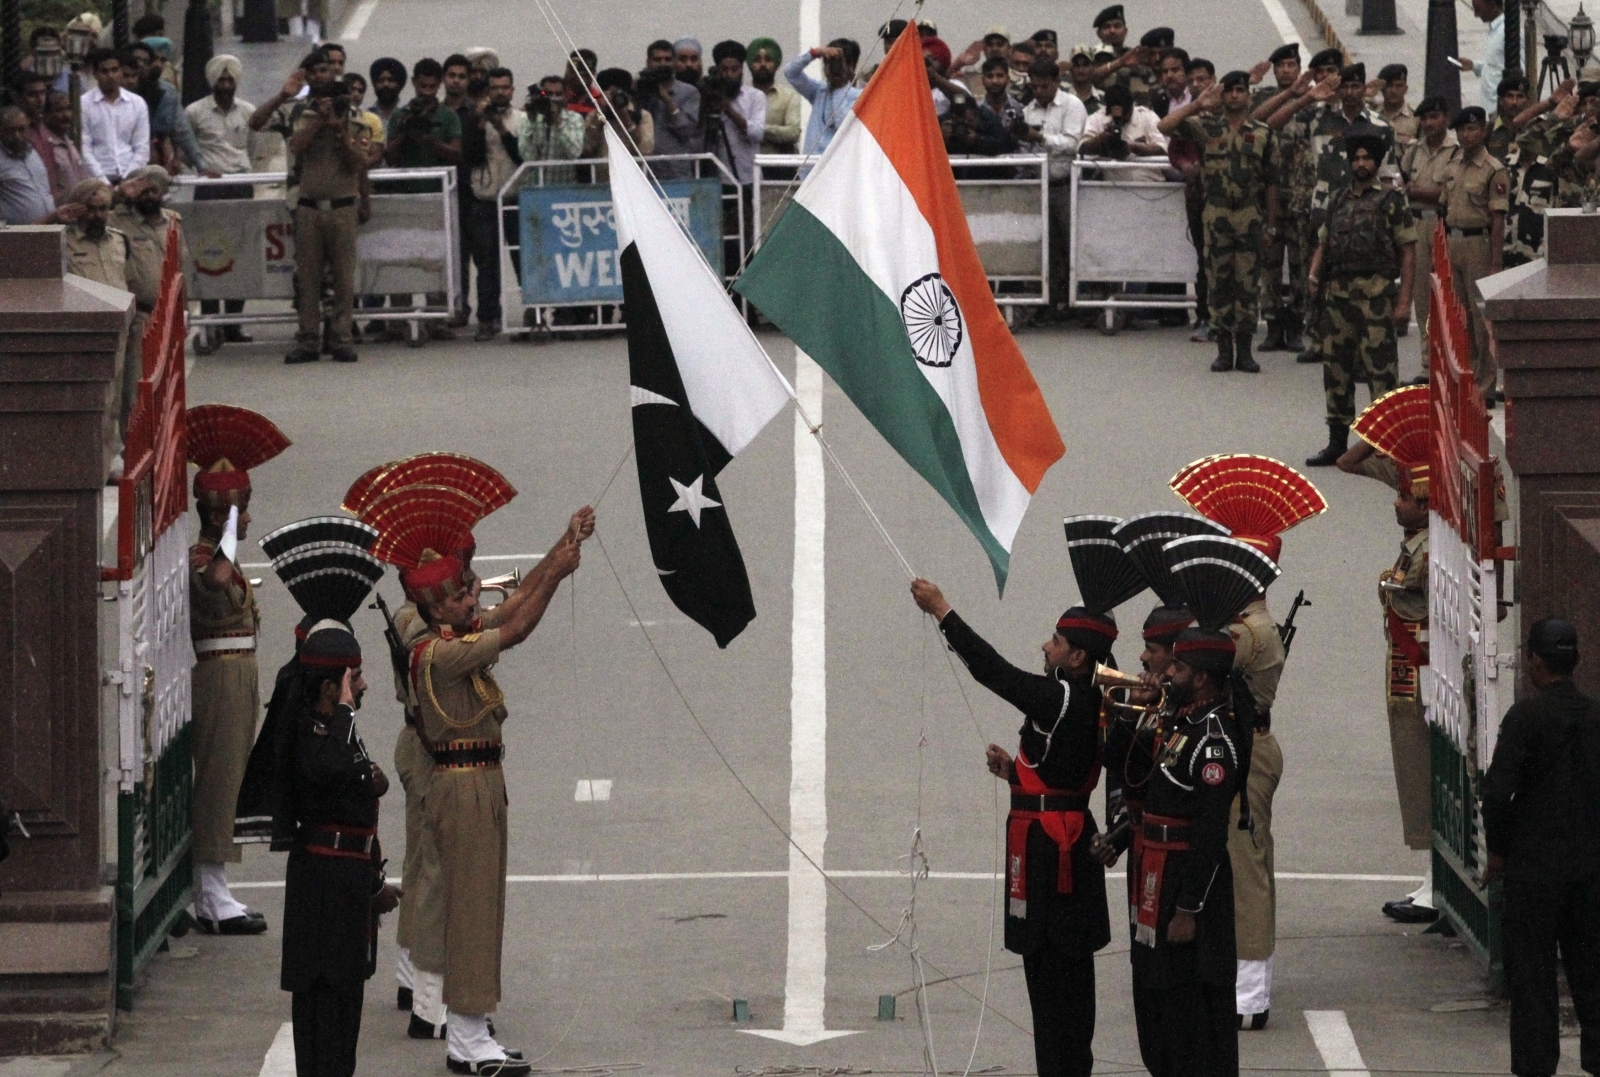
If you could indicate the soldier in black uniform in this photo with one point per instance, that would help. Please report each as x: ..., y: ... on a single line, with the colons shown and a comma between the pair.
x: 335, y: 889
x: 1184, y: 958
x: 1541, y: 812
x: 1056, y: 908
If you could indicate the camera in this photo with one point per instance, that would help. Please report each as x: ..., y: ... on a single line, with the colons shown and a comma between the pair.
x: 649, y: 81
x: 336, y: 92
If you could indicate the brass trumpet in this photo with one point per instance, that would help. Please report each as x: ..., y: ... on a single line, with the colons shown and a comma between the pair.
x: 1114, y: 680
x: 503, y: 584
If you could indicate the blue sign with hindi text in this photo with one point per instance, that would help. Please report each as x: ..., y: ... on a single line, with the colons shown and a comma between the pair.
x: 569, y: 238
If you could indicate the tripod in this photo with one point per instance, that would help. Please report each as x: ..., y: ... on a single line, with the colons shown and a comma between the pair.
x: 1553, y: 68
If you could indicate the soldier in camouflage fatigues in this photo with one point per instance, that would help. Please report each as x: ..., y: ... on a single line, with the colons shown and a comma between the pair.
x: 1368, y: 239
x: 1239, y: 176
x: 1282, y: 318
x: 1511, y: 98
x: 1544, y: 172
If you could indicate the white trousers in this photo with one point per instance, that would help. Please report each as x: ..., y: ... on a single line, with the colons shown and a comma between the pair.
x: 467, y: 1038
x: 212, y: 898
x: 404, y: 971
x: 1252, y: 987
x: 1422, y: 896
x: 427, y: 1000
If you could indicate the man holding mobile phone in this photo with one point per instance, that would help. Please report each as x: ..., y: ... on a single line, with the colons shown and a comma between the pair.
x: 1492, y: 68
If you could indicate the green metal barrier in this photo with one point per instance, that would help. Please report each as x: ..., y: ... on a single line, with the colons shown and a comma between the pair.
x: 155, y: 875
x: 1472, y: 910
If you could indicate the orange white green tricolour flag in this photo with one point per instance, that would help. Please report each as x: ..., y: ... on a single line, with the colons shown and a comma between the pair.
x: 872, y: 271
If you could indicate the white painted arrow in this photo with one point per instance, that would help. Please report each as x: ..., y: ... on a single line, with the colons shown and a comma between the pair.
x: 806, y: 981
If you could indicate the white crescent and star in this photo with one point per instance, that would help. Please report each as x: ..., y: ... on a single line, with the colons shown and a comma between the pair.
x: 691, y: 499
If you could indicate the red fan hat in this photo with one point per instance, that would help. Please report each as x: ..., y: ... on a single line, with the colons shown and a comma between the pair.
x: 416, y: 523
x: 1256, y: 498
x: 226, y: 442
x: 1397, y: 425
x: 472, y: 477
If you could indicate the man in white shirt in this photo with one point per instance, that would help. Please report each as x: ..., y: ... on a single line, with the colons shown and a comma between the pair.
x: 116, y: 120
x: 1054, y: 123
x: 1123, y: 129
x: 1492, y: 68
x: 221, y: 125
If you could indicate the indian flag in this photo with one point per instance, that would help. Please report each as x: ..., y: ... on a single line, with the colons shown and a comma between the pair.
x: 871, y: 270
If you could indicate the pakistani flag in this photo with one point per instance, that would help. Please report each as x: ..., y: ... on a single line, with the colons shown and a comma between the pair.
x: 873, y: 272
x: 701, y: 389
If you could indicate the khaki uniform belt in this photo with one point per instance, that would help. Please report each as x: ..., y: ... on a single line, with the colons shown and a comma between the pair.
x: 219, y: 646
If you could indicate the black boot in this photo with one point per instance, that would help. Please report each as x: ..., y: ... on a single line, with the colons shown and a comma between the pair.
x: 1224, y: 360
x: 1291, y: 334
x: 1338, y: 442
x: 1245, y: 362
x: 1274, y: 341
x: 1310, y: 354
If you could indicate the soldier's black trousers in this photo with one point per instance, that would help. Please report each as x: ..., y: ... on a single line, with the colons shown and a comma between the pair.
x: 1187, y: 1027
x: 327, y: 1024
x: 1061, y: 994
x: 1539, y: 918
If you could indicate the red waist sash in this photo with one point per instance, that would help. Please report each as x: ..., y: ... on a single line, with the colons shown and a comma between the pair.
x: 1152, y: 869
x: 1063, y: 827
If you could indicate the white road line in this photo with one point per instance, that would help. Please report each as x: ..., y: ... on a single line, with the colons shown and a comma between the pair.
x: 805, y: 982
x: 475, y: 560
x: 958, y: 876
x: 357, y: 21
x: 1280, y: 19
x: 592, y: 789
x: 280, y: 1056
x: 1336, y: 1043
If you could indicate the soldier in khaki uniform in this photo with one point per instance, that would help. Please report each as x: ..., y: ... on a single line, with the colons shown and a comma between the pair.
x: 1473, y: 204
x: 99, y: 253
x: 1239, y: 174
x: 139, y: 216
x: 1422, y: 166
x: 459, y: 712
x: 329, y: 148
x: 1367, y: 242
x: 224, y: 442
x: 1392, y: 106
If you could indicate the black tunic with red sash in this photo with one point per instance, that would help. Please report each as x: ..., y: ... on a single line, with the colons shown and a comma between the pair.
x: 1056, y: 891
x: 1131, y: 745
x: 335, y: 864
x: 1184, y: 862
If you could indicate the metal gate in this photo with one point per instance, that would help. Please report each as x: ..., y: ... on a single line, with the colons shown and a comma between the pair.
x: 1464, y: 688
x: 154, y: 655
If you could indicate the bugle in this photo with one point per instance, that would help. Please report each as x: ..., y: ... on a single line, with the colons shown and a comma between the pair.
x: 1114, y: 680
x: 503, y: 584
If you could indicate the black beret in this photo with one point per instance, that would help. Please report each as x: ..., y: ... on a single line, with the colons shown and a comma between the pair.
x: 1470, y: 114
x: 1392, y: 73
x: 1161, y: 37
x: 1236, y: 78
x: 1290, y: 51
x: 1044, y: 35
x: 1354, y: 73
x: 1328, y: 58
x: 1114, y: 12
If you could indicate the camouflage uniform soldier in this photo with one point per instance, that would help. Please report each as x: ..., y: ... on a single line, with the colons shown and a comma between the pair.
x: 1538, y: 161
x: 1473, y: 205
x: 1239, y: 176
x: 1281, y: 318
x: 1367, y: 241
x: 1511, y: 98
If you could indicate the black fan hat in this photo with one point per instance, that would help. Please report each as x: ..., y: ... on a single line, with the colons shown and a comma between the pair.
x: 1143, y: 537
x: 1218, y: 576
x: 336, y: 529
x: 1106, y: 575
x: 329, y: 583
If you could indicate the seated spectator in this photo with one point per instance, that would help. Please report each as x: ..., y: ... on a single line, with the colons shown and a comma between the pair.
x: 1081, y: 72
x: 782, y: 133
x: 674, y: 107
x: 1123, y: 129
x: 25, y: 196
x: 116, y: 121
x: 553, y: 133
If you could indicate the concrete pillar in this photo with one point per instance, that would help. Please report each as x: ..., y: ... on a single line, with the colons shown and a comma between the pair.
x: 59, y: 339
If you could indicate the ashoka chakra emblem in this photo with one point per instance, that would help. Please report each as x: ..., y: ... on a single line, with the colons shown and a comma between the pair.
x: 933, y: 321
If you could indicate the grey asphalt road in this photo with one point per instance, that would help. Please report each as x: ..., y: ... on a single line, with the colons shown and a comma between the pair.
x: 645, y: 970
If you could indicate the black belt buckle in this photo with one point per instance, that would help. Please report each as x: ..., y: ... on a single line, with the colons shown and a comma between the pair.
x: 1164, y: 832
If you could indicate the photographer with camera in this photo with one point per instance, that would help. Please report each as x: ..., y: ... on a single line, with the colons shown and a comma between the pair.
x: 633, y: 123
x: 974, y: 131
x: 674, y: 107
x: 1123, y: 129
x: 279, y: 112
x: 424, y: 134
x: 490, y: 154
x: 329, y: 146
x: 735, y: 115
x: 552, y: 133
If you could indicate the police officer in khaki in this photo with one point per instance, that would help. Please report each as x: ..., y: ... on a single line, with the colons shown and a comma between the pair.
x: 329, y: 149
x: 1422, y: 166
x: 99, y: 253
x: 140, y: 216
x: 1473, y: 203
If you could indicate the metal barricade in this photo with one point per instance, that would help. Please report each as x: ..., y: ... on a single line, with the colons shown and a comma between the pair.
x: 1007, y: 203
x: 242, y: 248
x: 1130, y: 225
x: 154, y: 655
x: 558, y: 239
x: 1464, y: 687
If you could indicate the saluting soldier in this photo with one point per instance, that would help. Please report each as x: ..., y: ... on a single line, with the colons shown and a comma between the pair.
x: 1056, y: 898
x: 1541, y: 166
x: 1473, y: 204
x: 1239, y: 176
x: 1282, y: 317
x: 142, y: 218
x: 1511, y: 98
x: 1422, y: 167
x: 1369, y: 240
x: 459, y: 712
x: 224, y: 442
x: 335, y: 888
